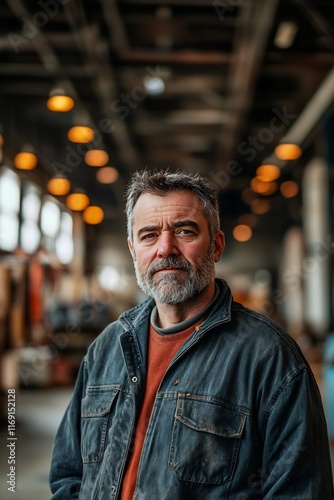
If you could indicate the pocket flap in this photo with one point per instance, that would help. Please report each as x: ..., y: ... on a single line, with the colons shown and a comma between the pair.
x: 208, y: 416
x: 98, y: 401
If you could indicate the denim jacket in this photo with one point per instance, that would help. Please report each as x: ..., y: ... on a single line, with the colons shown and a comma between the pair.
x: 237, y: 416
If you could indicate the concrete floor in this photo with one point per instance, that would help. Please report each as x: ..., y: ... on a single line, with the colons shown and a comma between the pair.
x: 38, y: 416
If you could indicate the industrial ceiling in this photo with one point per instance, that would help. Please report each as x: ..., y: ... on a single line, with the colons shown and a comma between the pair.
x: 238, y: 75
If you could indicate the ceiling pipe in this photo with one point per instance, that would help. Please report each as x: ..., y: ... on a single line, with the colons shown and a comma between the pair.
x: 309, y: 118
x: 255, y: 22
x: 303, y: 129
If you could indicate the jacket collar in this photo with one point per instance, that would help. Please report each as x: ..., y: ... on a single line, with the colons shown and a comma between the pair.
x: 138, y: 317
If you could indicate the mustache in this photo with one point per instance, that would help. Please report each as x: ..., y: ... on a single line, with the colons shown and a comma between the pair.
x: 175, y: 262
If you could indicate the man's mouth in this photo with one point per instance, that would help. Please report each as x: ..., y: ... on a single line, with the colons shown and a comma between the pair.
x: 170, y: 269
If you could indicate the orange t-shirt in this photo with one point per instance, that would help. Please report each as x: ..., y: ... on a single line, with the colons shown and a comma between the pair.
x: 161, y: 350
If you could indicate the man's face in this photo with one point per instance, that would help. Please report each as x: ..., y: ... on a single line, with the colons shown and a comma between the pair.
x: 172, y: 250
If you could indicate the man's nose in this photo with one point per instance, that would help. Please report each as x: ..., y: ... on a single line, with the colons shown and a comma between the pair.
x: 167, y: 245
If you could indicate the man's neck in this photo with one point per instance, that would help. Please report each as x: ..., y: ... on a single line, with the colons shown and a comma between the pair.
x: 172, y: 314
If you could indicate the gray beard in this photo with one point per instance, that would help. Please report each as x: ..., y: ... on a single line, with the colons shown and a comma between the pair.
x: 176, y: 288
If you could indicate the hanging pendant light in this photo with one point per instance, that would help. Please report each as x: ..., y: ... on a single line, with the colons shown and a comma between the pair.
x: 59, y: 100
x: 93, y: 215
x: 80, y: 134
x: 26, y: 159
x: 77, y: 201
x: 107, y: 175
x: 59, y: 186
x: 288, y: 151
x: 268, y: 172
x: 96, y: 157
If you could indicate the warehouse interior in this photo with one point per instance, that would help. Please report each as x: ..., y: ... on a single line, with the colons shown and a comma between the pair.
x: 240, y: 91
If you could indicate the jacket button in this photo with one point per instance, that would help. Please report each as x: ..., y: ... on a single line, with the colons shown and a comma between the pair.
x: 176, y: 381
x: 134, y: 379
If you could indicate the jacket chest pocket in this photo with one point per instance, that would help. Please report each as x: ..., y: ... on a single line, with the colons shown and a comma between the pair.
x: 95, y: 414
x: 205, y: 440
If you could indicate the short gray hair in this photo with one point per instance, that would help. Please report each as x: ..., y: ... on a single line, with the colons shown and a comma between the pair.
x: 162, y: 182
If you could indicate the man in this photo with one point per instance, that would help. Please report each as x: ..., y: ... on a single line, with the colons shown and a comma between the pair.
x: 189, y: 395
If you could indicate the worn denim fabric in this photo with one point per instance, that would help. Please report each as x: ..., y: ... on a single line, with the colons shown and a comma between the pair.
x: 237, y: 416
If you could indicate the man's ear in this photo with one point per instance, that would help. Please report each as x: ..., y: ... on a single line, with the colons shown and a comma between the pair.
x: 131, y: 249
x: 219, y: 239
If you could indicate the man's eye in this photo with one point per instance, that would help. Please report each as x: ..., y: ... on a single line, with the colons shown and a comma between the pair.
x: 148, y: 236
x: 186, y: 231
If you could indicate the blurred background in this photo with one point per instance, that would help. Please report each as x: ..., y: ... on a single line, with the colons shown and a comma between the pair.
x: 240, y: 91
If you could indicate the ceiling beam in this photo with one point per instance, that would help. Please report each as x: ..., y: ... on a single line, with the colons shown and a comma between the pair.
x: 188, y: 57
x: 255, y: 22
x: 38, y: 40
x: 178, y: 3
x: 97, y: 56
x: 117, y: 31
x: 304, y: 126
x: 319, y: 23
x: 35, y: 70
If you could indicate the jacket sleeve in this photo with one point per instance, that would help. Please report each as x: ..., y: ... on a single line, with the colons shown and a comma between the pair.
x: 296, y: 460
x: 66, y: 463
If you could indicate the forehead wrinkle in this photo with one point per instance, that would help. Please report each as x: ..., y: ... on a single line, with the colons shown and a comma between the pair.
x: 179, y: 212
x: 174, y: 224
x: 150, y: 208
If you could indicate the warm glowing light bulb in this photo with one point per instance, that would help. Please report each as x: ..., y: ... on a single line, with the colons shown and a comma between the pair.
x: 107, y: 175
x: 77, y: 201
x: 25, y: 160
x: 242, y: 233
x: 60, y: 103
x: 80, y: 134
x: 59, y: 186
x: 93, y: 215
x: 268, y: 172
x: 289, y: 189
x: 288, y: 151
x: 96, y: 157
x: 262, y: 187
